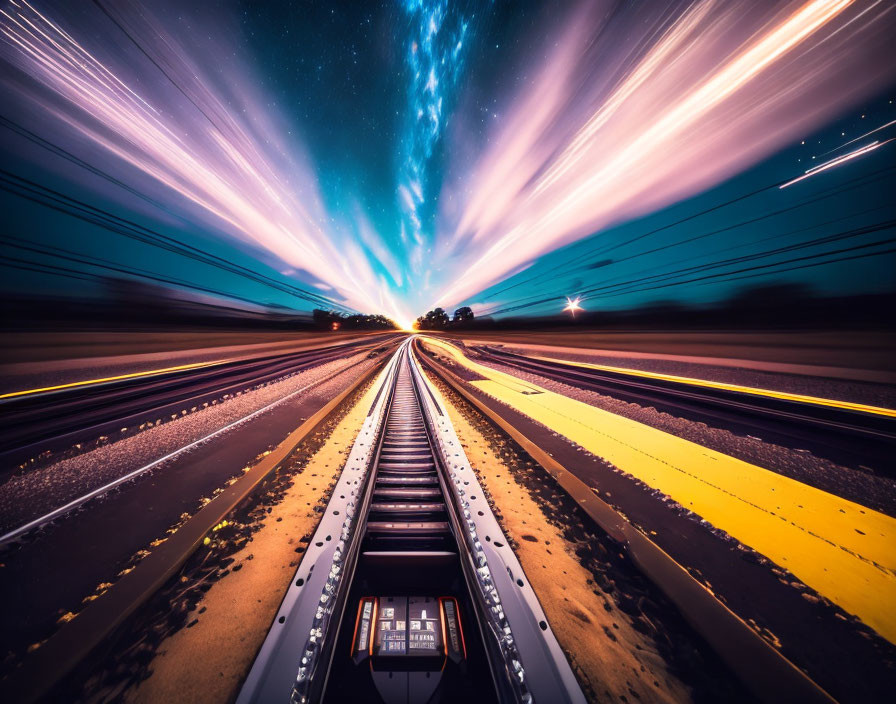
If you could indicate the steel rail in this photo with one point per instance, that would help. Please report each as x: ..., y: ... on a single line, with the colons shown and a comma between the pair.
x: 99, y: 491
x: 296, y: 660
x: 74, y: 643
x: 532, y: 654
x: 58, y: 419
x: 764, y: 670
x: 308, y: 605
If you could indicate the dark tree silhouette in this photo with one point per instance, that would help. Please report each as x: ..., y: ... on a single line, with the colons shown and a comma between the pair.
x: 325, y: 319
x: 434, y: 320
x: 463, y: 315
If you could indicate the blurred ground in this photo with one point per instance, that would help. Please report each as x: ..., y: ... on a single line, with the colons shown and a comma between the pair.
x: 860, y: 355
x: 35, y: 360
x: 624, y: 641
x: 53, y: 346
x: 208, y: 660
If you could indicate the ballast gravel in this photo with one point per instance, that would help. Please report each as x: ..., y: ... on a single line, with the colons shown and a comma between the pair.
x: 34, y: 492
x: 864, y: 487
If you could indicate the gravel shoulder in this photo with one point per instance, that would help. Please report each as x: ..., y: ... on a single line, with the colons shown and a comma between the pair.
x: 206, y: 657
x: 862, y: 485
x: 624, y: 641
x: 34, y: 491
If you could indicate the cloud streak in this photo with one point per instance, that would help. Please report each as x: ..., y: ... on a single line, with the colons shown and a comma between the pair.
x: 630, y: 109
x: 606, y: 132
x: 219, y: 149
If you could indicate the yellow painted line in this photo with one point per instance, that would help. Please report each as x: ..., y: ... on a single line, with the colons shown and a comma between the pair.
x: 134, y: 375
x: 800, y: 398
x: 841, y: 549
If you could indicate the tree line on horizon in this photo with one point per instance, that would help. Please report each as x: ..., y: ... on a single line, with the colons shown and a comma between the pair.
x: 332, y: 320
x: 437, y: 319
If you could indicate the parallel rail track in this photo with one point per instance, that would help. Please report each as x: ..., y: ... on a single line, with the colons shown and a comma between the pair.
x: 842, y: 435
x: 55, y: 420
x: 408, y: 538
x: 78, y: 642
x: 764, y: 670
x: 408, y: 591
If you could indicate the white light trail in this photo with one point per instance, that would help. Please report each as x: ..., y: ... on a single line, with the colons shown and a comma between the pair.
x: 836, y: 162
x: 619, y: 124
x: 861, y: 136
x: 220, y: 149
x: 629, y: 112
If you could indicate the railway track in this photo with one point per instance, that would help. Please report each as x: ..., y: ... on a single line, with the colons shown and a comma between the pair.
x: 842, y: 435
x: 408, y: 591
x: 56, y: 419
x: 78, y: 645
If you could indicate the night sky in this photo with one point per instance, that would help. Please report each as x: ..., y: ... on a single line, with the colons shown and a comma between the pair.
x: 390, y: 157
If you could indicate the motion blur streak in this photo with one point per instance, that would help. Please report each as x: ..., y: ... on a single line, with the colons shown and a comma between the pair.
x: 861, y: 136
x: 606, y: 132
x: 104, y: 380
x: 220, y: 151
x: 836, y: 162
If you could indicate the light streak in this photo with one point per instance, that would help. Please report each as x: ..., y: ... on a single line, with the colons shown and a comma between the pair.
x: 628, y: 112
x: 861, y: 136
x: 836, y: 162
x: 752, y: 390
x: 222, y: 151
x: 604, y: 133
x: 109, y: 379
